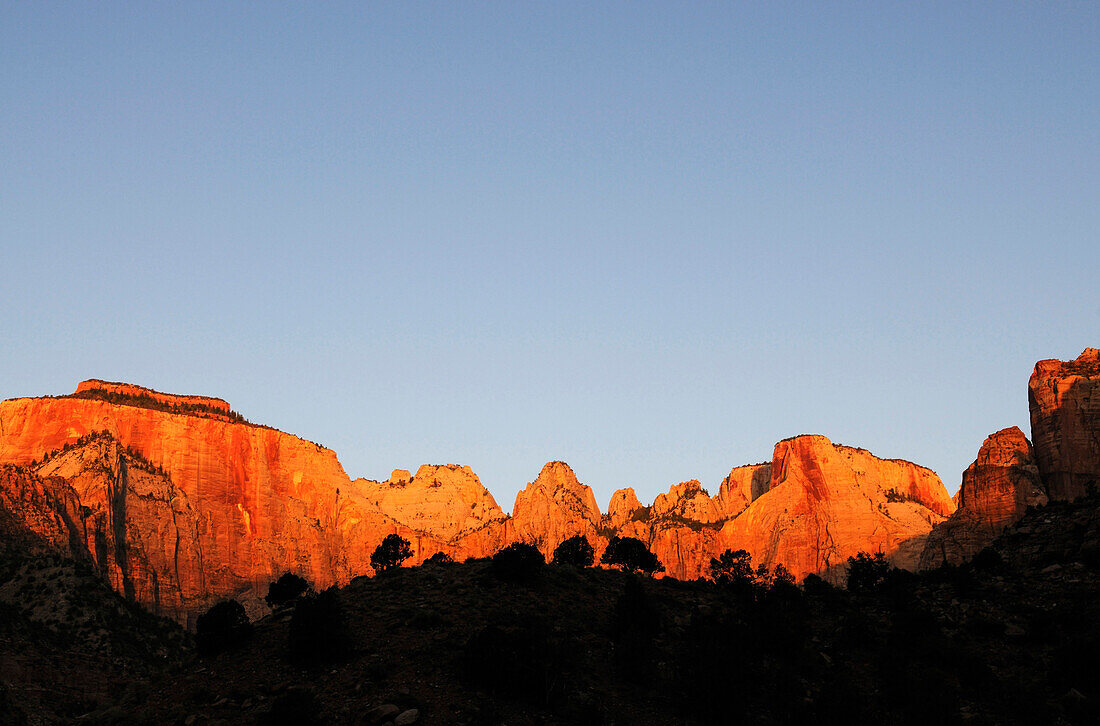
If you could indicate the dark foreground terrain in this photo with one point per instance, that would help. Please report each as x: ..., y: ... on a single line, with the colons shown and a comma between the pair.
x: 1012, y: 637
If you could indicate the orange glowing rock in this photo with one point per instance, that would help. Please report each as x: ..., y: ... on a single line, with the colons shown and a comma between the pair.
x: 827, y: 502
x: 180, y: 503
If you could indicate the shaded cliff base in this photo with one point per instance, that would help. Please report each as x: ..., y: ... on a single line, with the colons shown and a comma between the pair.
x: 1010, y: 638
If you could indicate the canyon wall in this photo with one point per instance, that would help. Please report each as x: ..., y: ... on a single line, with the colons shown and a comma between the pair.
x: 177, y: 509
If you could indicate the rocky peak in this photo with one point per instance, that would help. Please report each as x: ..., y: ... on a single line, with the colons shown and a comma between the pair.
x: 826, y: 502
x: 687, y: 500
x: 624, y: 503
x: 555, y: 507
x: 1005, y: 448
x: 443, y: 501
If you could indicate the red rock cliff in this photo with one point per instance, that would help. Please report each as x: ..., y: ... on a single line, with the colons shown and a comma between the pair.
x: 825, y: 503
x: 178, y: 508
x: 1064, y: 398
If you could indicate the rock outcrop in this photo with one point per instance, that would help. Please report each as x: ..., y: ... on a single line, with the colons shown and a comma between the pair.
x: 443, y: 501
x: 554, y: 508
x: 826, y: 502
x: 93, y: 387
x: 622, y: 507
x: 996, y: 490
x: 1064, y: 398
x: 743, y: 486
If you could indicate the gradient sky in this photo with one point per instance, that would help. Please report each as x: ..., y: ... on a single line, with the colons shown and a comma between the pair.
x: 647, y: 239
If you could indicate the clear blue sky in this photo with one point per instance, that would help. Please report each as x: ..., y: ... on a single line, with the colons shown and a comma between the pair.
x: 648, y: 239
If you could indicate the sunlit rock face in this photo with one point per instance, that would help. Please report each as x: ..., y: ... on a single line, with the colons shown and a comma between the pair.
x: 39, y: 514
x: 827, y: 502
x: 181, y: 504
x: 996, y: 490
x: 1064, y: 397
x: 622, y: 507
x: 743, y: 486
x: 258, y: 502
x: 554, y: 508
x: 443, y: 501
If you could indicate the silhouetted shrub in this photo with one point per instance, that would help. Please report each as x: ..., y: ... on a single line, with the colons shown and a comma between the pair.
x: 518, y: 561
x: 815, y: 585
x: 223, y: 626
x: 866, y: 572
x: 632, y: 555
x: 391, y: 553
x: 317, y: 629
x: 297, y: 706
x: 285, y: 589
x: 440, y: 558
x: 521, y: 660
x: 732, y: 568
x: 635, y: 625
x: 574, y: 551
x: 782, y: 575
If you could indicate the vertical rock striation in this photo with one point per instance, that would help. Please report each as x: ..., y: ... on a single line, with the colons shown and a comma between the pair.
x: 1064, y: 398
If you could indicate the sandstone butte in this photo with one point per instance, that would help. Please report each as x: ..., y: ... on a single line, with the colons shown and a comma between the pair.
x: 180, y: 502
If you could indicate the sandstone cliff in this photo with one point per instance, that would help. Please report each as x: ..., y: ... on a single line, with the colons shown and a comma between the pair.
x: 742, y: 487
x: 1064, y: 398
x: 443, y: 501
x: 179, y: 502
x: 996, y: 490
x: 826, y: 502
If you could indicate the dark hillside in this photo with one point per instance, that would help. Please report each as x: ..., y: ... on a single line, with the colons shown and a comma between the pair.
x: 1009, y: 638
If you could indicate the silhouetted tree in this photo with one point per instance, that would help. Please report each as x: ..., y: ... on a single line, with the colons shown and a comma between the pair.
x: 223, y: 626
x: 440, y: 558
x: 782, y: 575
x: 391, y: 553
x: 518, y: 561
x: 632, y: 555
x: 285, y: 589
x: 575, y: 551
x: 732, y: 568
x: 866, y: 572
